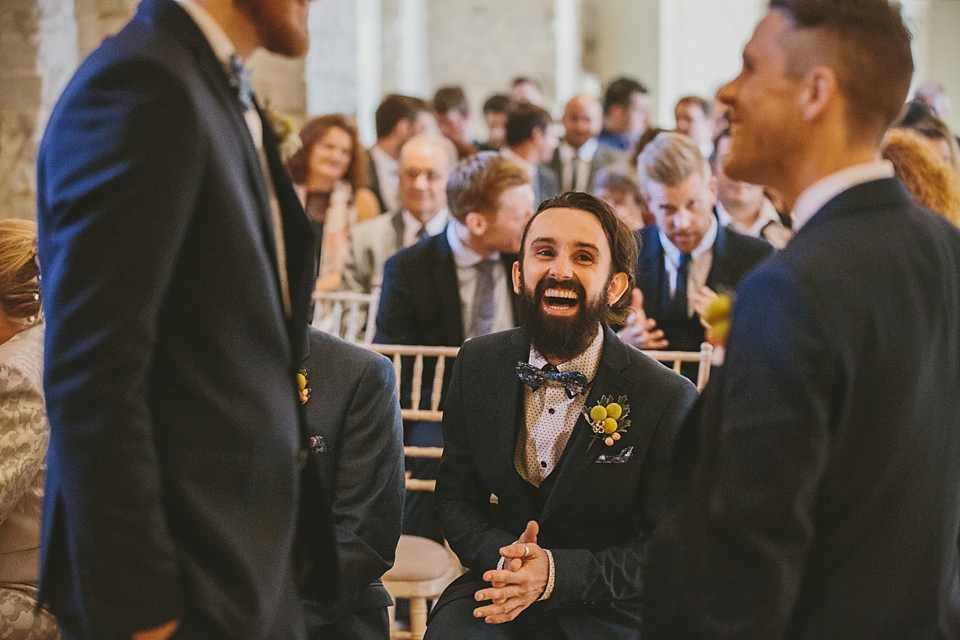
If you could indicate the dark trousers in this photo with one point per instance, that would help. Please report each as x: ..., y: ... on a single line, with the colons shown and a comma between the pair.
x: 454, y: 621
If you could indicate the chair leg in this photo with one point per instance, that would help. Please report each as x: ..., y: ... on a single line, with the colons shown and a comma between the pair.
x: 418, y: 617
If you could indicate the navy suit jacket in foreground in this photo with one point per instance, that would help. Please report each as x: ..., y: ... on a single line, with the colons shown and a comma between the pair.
x: 825, y: 501
x: 734, y: 254
x: 597, y: 517
x: 173, y: 482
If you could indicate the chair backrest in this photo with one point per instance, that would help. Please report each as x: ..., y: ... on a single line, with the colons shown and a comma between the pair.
x: 348, y: 315
x: 677, y: 358
x: 442, y: 355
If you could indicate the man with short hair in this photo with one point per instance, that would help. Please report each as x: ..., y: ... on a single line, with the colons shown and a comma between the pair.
x: 495, y: 110
x: 626, y: 114
x: 572, y: 430
x: 452, y: 111
x: 425, y: 163
x: 686, y: 251
x: 579, y: 156
x: 177, y: 274
x: 744, y: 207
x: 398, y: 118
x: 530, y: 143
x: 456, y: 286
x: 695, y: 119
x: 825, y: 493
x: 526, y: 90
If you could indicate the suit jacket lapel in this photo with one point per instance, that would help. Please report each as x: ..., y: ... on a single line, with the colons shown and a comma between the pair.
x: 448, y: 291
x: 718, y: 268
x: 506, y: 399
x: 609, y: 381
x: 650, y: 262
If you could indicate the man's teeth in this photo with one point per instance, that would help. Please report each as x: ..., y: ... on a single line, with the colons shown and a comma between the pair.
x: 561, y: 293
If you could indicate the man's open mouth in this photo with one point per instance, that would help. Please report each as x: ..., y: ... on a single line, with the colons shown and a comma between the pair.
x: 556, y: 299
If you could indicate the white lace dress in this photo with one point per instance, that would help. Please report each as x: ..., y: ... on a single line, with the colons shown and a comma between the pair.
x: 24, y: 434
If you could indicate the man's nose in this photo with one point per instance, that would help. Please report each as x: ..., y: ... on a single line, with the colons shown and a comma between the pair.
x: 562, y: 268
x: 682, y: 219
x: 421, y: 181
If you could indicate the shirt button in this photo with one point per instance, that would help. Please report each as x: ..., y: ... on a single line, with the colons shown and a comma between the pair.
x: 543, y: 464
x: 551, y: 411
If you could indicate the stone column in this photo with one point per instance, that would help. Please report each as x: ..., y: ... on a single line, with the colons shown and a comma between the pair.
x: 38, y: 52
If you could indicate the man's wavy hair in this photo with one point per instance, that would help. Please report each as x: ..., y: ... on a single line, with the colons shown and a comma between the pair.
x: 623, y: 244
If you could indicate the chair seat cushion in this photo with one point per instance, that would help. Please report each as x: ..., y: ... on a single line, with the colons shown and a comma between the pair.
x: 419, y: 559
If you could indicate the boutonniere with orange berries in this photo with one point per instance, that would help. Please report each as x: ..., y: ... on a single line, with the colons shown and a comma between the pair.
x: 302, y: 386
x: 608, y: 419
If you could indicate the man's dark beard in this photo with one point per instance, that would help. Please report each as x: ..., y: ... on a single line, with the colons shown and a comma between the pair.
x: 277, y: 35
x: 560, y: 338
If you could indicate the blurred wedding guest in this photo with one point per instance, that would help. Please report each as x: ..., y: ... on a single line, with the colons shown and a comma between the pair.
x: 397, y: 119
x: 24, y: 434
x: 744, y: 207
x: 329, y: 172
x: 425, y: 164
x: 695, y: 118
x: 495, y: 117
x: 626, y: 114
x: 526, y: 90
x: 530, y: 143
x: 921, y: 118
x: 579, y: 155
x: 617, y: 185
x: 356, y: 432
x: 452, y: 111
x: 932, y: 183
x: 642, y: 143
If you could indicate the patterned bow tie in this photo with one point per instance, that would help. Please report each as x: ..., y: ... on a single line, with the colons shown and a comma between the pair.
x: 573, y: 382
x: 241, y: 79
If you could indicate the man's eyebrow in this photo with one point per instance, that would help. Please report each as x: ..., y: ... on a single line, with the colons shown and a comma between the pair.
x: 587, y: 245
x: 542, y: 240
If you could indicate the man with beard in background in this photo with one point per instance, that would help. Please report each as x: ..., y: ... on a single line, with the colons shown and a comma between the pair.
x: 561, y: 555
x: 177, y: 274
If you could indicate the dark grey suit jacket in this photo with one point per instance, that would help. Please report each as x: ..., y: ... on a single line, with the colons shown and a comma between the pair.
x: 602, y: 157
x: 173, y: 481
x: 546, y: 185
x: 354, y: 414
x: 597, y: 516
x: 826, y: 492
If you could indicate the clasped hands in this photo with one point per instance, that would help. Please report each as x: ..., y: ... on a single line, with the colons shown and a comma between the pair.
x: 519, y: 583
x: 641, y: 331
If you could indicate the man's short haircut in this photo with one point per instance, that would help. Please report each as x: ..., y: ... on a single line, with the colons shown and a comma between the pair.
x: 522, y: 119
x: 394, y: 108
x: 438, y: 141
x: 525, y: 80
x: 478, y: 182
x: 670, y: 159
x: 623, y: 244
x: 497, y: 103
x: 696, y: 101
x: 619, y: 178
x: 619, y: 92
x: 866, y: 44
x: 448, y: 99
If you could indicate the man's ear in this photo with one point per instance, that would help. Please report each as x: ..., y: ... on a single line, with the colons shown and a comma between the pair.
x: 517, y: 289
x: 618, y: 286
x: 476, y: 223
x: 819, y: 91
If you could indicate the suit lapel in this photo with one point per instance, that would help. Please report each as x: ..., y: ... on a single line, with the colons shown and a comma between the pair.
x: 448, y: 291
x: 718, y: 266
x: 505, y: 406
x: 609, y: 381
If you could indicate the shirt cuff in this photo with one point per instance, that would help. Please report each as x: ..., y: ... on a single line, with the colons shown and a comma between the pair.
x: 551, y: 577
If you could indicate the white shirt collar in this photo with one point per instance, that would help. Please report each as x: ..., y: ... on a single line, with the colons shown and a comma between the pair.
x: 586, y: 363
x: 462, y: 256
x: 219, y: 41
x: 673, y: 254
x: 585, y: 152
x: 434, y: 225
x: 768, y: 214
x: 826, y: 189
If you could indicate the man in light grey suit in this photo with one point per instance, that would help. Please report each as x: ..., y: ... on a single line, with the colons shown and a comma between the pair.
x: 425, y: 164
x: 579, y: 155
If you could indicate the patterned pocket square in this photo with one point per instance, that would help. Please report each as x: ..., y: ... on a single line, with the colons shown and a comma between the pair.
x: 618, y: 458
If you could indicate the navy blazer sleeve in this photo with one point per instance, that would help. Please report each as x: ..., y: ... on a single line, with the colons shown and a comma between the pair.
x: 117, y: 200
